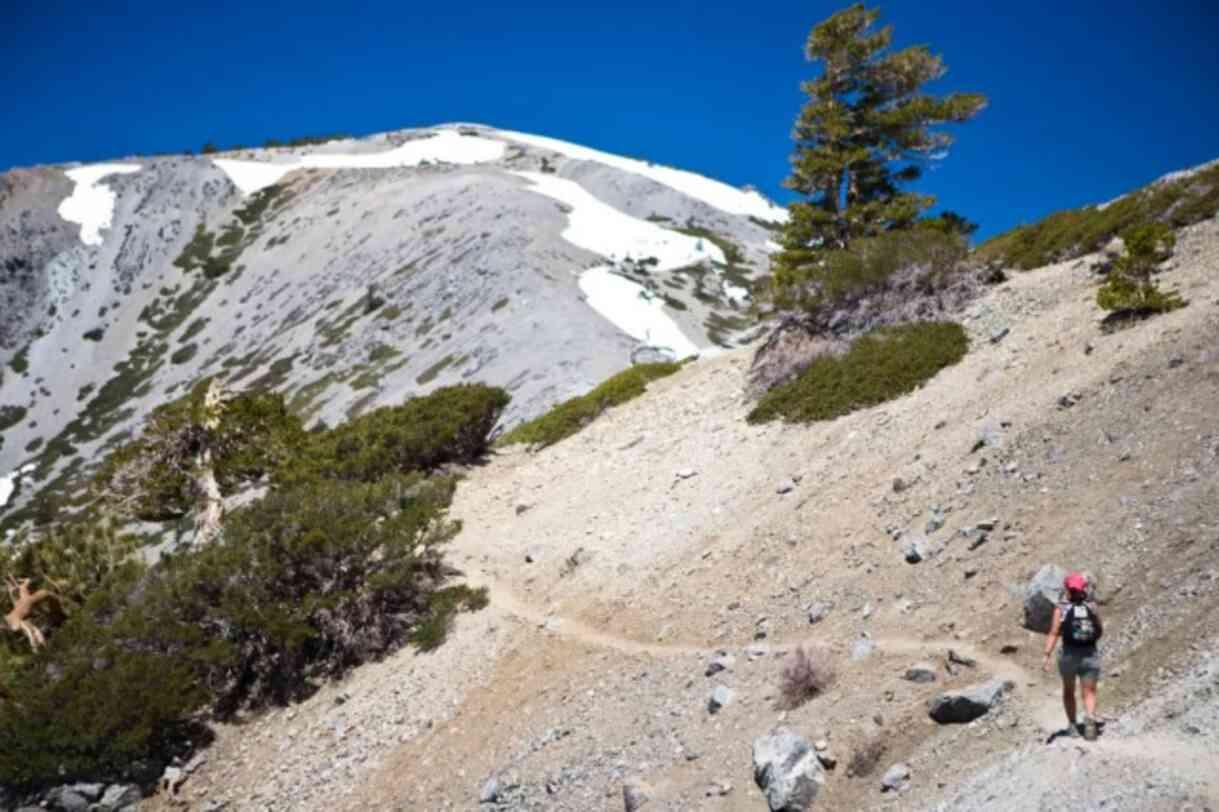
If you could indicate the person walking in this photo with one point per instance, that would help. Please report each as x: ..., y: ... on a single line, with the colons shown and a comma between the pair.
x: 1078, y: 623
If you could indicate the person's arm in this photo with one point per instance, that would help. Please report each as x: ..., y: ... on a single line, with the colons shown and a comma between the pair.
x: 1100, y: 627
x: 1052, y: 639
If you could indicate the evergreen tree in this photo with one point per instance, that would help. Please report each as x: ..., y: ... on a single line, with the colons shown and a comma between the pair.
x: 864, y: 133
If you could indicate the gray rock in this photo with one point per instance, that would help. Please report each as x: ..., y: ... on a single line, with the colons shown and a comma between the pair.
x: 489, y: 792
x: 998, y: 335
x: 920, y: 672
x: 90, y: 792
x: 686, y: 473
x: 786, y: 486
x: 935, y: 520
x: 1041, y: 596
x: 721, y: 697
x: 959, y: 707
x: 817, y: 612
x: 64, y: 799
x: 895, y: 779
x: 118, y: 796
x: 723, y: 662
x: 635, y: 794
x: 862, y: 649
x: 914, y: 549
x: 786, y: 769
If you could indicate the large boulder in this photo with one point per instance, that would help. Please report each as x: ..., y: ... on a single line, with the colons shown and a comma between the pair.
x: 1041, y: 596
x: 786, y: 769
x: 959, y: 707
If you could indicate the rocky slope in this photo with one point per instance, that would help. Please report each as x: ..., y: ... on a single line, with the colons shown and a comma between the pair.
x: 351, y: 274
x: 648, y: 576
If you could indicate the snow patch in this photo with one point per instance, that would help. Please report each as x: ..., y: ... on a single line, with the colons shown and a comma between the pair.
x: 91, y: 204
x: 8, y: 484
x: 602, y: 229
x: 712, y: 192
x: 634, y: 310
x: 445, y: 146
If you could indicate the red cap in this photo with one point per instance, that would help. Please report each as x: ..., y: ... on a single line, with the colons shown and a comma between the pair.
x: 1075, y: 582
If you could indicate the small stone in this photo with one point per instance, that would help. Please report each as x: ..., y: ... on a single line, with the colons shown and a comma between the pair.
x: 786, y: 486
x: 1000, y: 334
x: 721, y: 697
x: 523, y: 507
x: 899, y: 484
x: 686, y: 473
x: 912, y: 551
x: 723, y: 662
x: 817, y: 612
x: 862, y: 649
x: 920, y: 672
x: 635, y: 794
x: 489, y: 793
x: 827, y: 760
x: 896, y: 778
x: 959, y: 659
x: 959, y: 707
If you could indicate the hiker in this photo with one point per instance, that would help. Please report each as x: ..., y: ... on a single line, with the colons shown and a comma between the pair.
x: 1078, y: 623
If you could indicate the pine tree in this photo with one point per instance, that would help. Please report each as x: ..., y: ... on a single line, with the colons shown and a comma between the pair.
x: 865, y: 132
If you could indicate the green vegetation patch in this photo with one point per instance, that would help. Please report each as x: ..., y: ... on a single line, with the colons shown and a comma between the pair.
x: 882, y: 365
x: 11, y: 416
x: 184, y: 354
x: 21, y: 361
x: 572, y: 415
x: 1072, y: 233
x: 95, y: 334
x: 428, y: 375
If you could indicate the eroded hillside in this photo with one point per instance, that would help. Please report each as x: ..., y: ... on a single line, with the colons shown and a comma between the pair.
x: 671, y: 549
x: 349, y: 275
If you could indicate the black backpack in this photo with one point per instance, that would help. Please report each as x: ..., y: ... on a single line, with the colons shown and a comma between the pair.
x: 1080, y: 625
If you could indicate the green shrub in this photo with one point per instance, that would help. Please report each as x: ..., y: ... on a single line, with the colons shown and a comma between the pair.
x: 184, y: 353
x: 570, y: 416
x: 95, y: 334
x: 1130, y: 288
x: 11, y: 416
x: 152, y: 477
x: 879, y: 366
x: 449, y: 425
x: 1075, y: 232
x: 833, y: 277
x: 304, y: 585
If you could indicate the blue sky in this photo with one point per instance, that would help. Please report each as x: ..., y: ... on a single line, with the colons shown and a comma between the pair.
x: 1088, y: 98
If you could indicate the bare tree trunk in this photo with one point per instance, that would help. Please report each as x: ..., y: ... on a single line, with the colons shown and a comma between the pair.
x: 210, y: 515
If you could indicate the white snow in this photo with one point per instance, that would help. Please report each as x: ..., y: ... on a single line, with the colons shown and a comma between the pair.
x: 8, y: 484
x: 91, y: 204
x: 633, y: 310
x: 712, y: 192
x: 604, y: 230
x: 446, y: 146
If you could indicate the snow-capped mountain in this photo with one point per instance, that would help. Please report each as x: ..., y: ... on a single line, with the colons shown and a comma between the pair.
x: 351, y: 274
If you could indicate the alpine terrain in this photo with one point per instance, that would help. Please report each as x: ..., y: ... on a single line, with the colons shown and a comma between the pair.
x: 784, y: 556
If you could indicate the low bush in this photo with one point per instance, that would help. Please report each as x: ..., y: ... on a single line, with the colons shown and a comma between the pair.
x: 572, y: 415
x: 828, y: 278
x: 1075, y: 232
x: 304, y: 585
x: 1131, y: 289
x: 879, y: 366
x: 449, y: 425
x: 805, y: 675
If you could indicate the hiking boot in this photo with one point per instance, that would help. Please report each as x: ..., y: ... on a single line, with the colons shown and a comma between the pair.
x: 1090, y: 729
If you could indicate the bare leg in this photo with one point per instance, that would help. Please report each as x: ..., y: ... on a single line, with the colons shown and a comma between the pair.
x: 1068, y: 698
x: 1088, y: 688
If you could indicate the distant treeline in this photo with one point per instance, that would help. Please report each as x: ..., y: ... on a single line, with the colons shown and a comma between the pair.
x: 271, y: 143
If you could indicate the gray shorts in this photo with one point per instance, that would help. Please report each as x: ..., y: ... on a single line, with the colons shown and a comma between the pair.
x: 1083, y: 663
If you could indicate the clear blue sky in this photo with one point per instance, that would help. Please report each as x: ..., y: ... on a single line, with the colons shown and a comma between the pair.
x: 1088, y: 98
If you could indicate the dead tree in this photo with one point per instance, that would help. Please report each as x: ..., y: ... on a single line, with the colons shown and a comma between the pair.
x: 24, y: 602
